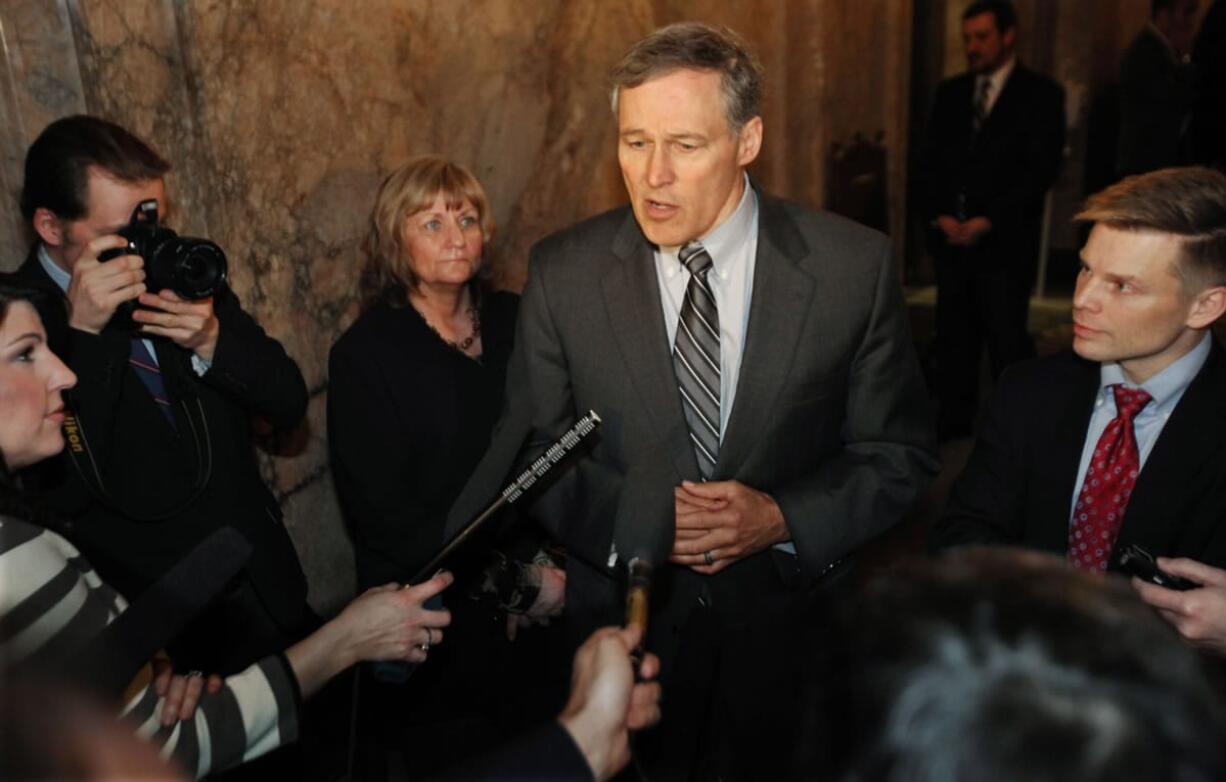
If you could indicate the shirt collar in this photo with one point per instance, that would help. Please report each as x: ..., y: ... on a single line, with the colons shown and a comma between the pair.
x: 1167, y: 386
x: 53, y: 270
x: 722, y: 241
x: 999, y: 76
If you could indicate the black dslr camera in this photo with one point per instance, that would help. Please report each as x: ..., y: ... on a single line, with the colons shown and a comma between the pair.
x: 192, y: 268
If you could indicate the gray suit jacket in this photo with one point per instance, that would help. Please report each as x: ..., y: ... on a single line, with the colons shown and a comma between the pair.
x: 830, y: 416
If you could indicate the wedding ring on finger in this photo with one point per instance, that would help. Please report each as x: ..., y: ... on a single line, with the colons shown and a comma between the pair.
x: 425, y: 645
x: 707, y: 559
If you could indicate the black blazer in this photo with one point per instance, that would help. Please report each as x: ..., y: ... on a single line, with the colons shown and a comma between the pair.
x: 1018, y: 485
x: 544, y: 752
x: 408, y: 419
x: 1157, y: 95
x: 1003, y: 172
x: 150, y: 468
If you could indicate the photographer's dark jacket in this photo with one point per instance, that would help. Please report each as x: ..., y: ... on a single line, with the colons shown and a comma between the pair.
x: 151, y: 469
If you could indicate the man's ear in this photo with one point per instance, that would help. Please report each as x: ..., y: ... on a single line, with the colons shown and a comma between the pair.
x: 1009, y: 38
x: 49, y: 227
x: 749, y: 142
x: 1208, y: 306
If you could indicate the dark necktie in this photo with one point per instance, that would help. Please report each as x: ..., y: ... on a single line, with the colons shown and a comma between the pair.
x: 1107, y: 486
x: 147, y: 370
x: 980, y: 105
x: 696, y: 358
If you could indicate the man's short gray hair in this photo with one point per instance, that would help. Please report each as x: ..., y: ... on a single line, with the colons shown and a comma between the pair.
x: 696, y: 46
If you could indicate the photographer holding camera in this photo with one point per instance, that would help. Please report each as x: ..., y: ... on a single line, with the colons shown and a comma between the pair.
x: 172, y: 370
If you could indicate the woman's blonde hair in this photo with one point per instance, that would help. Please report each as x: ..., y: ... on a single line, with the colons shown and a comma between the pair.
x: 412, y: 187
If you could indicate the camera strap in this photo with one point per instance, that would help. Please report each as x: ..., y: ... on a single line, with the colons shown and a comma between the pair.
x: 86, y: 464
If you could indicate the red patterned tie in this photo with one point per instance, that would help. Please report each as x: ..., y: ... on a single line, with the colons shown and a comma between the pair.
x: 1108, y: 484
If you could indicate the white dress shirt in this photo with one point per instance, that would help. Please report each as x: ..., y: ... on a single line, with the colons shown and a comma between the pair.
x: 996, y: 80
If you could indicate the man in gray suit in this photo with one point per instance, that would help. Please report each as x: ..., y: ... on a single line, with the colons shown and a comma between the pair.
x: 763, y: 408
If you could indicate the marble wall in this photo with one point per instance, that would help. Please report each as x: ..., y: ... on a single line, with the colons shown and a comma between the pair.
x: 281, y: 117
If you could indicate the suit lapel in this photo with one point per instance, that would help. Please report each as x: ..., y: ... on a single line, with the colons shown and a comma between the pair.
x: 1058, y: 481
x: 782, y: 293
x: 1003, y: 112
x: 632, y: 302
x: 1188, y: 440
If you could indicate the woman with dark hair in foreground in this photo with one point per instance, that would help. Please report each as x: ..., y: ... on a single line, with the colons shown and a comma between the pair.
x: 52, y: 602
x: 52, y: 605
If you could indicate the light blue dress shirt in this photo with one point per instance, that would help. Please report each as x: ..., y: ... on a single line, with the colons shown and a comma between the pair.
x: 1166, y: 389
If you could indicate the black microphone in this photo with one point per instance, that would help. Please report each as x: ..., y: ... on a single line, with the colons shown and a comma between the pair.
x: 643, y: 532
x: 559, y: 451
x: 112, y: 659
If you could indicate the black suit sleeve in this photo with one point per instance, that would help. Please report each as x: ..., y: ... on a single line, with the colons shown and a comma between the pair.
x: 548, y: 752
x: 253, y: 368
x: 372, y: 459
x: 932, y: 188
x: 985, y: 505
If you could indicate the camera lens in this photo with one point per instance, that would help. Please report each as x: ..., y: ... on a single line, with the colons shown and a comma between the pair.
x: 197, y: 269
x: 192, y: 268
x: 200, y: 268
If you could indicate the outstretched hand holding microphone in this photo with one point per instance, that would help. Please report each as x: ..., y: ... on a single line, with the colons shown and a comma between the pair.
x: 613, y: 692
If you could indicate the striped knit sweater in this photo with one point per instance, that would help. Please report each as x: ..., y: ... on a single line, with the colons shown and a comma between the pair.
x: 52, y: 602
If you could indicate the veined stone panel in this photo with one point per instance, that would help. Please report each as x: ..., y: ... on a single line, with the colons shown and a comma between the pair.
x: 132, y: 72
x: 39, y: 81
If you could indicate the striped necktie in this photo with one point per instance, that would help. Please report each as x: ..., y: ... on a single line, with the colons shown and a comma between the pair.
x: 696, y: 358
x: 979, y: 107
x: 146, y: 368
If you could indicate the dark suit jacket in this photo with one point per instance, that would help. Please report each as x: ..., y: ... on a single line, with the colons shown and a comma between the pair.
x: 830, y: 416
x: 1002, y: 172
x: 408, y: 419
x: 1018, y: 485
x: 545, y: 752
x: 1156, y: 99
x: 1207, y: 126
x: 150, y: 468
